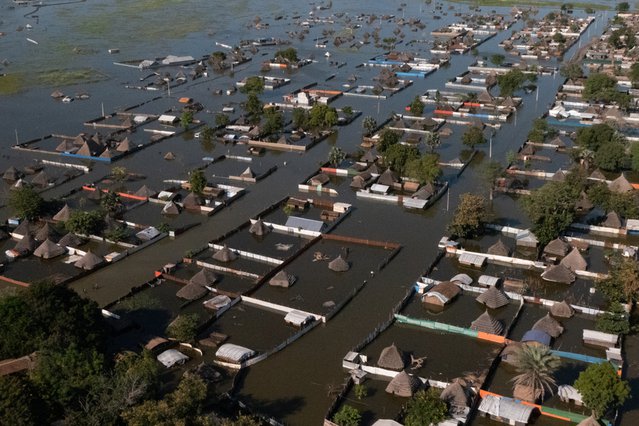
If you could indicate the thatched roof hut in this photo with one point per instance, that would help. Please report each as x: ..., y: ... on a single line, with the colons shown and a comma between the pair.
x: 598, y: 175
x: 574, y: 261
x: 145, y: 191
x: 248, y: 173
x: 557, y: 247
x: 358, y: 182
x: 589, y: 421
x: 455, y: 394
x: 493, y: 298
x: 169, y: 156
x: 499, y: 249
x: 487, y: 324
x: 559, y: 274
x: 90, y: 149
x: 205, y: 277
x: 510, y: 351
x: 41, y: 179
x: 319, y: 179
x: 12, y: 174
x: 26, y: 245
x: 282, y: 279
x: 404, y: 385
x: 368, y: 157
x: 562, y: 310
x: 63, y: 214
x: 339, y: 264
x: 620, y: 185
x: 441, y: 294
x: 70, y: 240
x: 46, y: 232
x: 171, y: 208
x: 48, y: 250
x: 124, y: 146
x: 445, y: 131
x: 392, y: 358
x: 192, y: 201
x: 388, y: 178
x: 583, y: 204
x: 526, y: 393
x: 225, y: 255
x: 191, y: 292
x: 549, y: 325
x: 259, y: 228
x: 89, y: 261
x: 613, y: 220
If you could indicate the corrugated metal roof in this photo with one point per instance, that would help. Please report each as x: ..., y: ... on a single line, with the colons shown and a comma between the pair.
x: 306, y: 224
x: 298, y: 318
x: 488, y: 280
x: 505, y: 408
x: 234, y: 353
x: 472, y: 259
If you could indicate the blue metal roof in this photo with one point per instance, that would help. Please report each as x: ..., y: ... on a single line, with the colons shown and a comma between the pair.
x: 536, y: 336
x: 306, y: 224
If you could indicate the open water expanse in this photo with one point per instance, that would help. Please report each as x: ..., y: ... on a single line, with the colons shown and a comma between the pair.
x: 72, y: 43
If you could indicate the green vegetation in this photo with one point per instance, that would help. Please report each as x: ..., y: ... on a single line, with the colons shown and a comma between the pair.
x: 540, y: 131
x: 369, y: 124
x: 470, y: 216
x: 614, y: 320
x: 26, y: 203
x: 601, y: 388
x: 512, y: 81
x: 336, y: 156
x: 85, y: 222
x: 601, y: 87
x: 111, y: 202
x: 497, y: 59
x: 67, y: 77
x: 184, y: 327
x: 625, y: 204
x: 253, y: 85
x: 424, y: 169
x: 624, y: 6
x: 417, y: 107
x: 622, y: 285
x: 347, y: 416
x: 474, y: 135
x: 287, y: 55
x: 11, y: 84
x: 425, y: 408
x: 322, y: 117
x: 361, y: 391
x: 398, y: 156
x: 535, y: 3
x: 536, y: 366
x: 186, y: 119
x: 197, y: 180
x: 606, y: 145
x: 273, y: 121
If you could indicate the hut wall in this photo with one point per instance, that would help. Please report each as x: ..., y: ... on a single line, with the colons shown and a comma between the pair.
x: 249, y: 255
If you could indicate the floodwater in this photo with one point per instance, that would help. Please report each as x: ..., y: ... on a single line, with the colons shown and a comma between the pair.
x: 292, y: 385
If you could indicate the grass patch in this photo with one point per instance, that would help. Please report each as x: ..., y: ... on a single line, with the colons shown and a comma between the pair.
x: 11, y: 84
x: 538, y: 3
x: 65, y: 77
x: 139, y: 301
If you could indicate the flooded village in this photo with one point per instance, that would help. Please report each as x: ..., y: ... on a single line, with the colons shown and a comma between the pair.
x: 410, y: 212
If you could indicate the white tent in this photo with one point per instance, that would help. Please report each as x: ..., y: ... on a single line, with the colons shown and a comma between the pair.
x: 172, y: 357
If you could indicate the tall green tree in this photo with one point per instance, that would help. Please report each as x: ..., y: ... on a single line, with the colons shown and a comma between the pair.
x: 425, y: 408
x: 85, y: 222
x: 425, y: 168
x: 26, y: 202
x: 510, y: 82
x: 622, y: 284
x: 21, y: 403
x: 387, y: 139
x: 417, y: 107
x: 535, y: 367
x: 470, y: 216
x: 369, y: 124
x: 184, y: 327
x: 474, y: 135
x: 347, y: 416
x: 614, y: 320
x: 398, y: 156
x: 197, y: 180
x: 601, y: 388
x: 322, y: 117
x: 336, y: 156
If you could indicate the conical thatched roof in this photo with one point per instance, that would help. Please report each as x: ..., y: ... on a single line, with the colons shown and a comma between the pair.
x: 108, y: 153
x: 191, y: 292
x: 41, y: 179
x: 487, y: 324
x: 620, y: 185
x: 248, y: 173
x: 339, y: 264
x: 499, y: 249
x: 26, y: 245
x: 404, y: 385
x: 225, y: 255
x: 574, y: 261
x: 70, y: 239
x: 124, y: 146
x: 597, y: 174
x: 90, y: 149
x: 282, y: 279
x: 171, y: 208
x: 358, y: 182
x: 549, y: 325
x: 392, y: 358
x: 259, y: 228
x: 583, y: 203
x: 63, y: 214
x: 557, y: 247
x: 455, y: 394
x: 145, y: 191
x: 445, y: 131
x: 205, y: 277
x: 425, y: 192
x: 169, y: 156
x: 368, y: 157
x: 485, y: 98
x: 89, y: 261
x: 589, y: 421
x: 493, y: 298
x: 48, y: 249
x: 12, y: 174
x: 23, y: 228
x: 388, y: 178
x: 612, y: 220
x: 559, y: 274
x: 46, y: 232
x: 562, y: 310
x: 192, y: 201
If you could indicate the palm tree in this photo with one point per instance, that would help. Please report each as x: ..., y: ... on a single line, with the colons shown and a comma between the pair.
x: 535, y: 365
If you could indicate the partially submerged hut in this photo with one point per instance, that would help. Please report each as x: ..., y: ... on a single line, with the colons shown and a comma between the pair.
x: 319, y: 179
x: 192, y: 291
x: 487, y: 324
x: 248, y: 173
x: 388, y: 178
x: 259, y: 228
x: 499, y: 249
x: 441, y: 294
x: 89, y: 261
x: 557, y: 247
x: 12, y: 174
x: 613, y: 220
x: 404, y: 385
x: 559, y: 274
x: 392, y: 358
x: 26, y: 245
x: 145, y: 192
x: 41, y: 179
x: 282, y: 279
x: 46, y: 232
x: 562, y: 310
x: 339, y: 264
x: 205, y: 277
x: 493, y: 298
x: 455, y: 394
x: 620, y: 185
x: 589, y: 421
x: 48, y: 250
x: 71, y: 240
x: 536, y: 337
x: 574, y: 261
x: 171, y: 208
x: 505, y: 410
x: 234, y: 353
x: 192, y: 201
x: 63, y: 214
x: 549, y: 325
x: 225, y: 255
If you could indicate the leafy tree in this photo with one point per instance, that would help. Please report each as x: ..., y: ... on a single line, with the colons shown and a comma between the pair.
x: 119, y: 173
x: 117, y: 233
x: 490, y: 172
x: 634, y: 154
x: 287, y: 55
x: 474, y: 135
x: 398, y: 156
x: 425, y: 408
x: 624, y: 6
x: 274, y: 121
x: 184, y: 327
x: 361, y: 391
x: 111, y: 202
x: 222, y: 120
x: 431, y: 140
x: 536, y: 366
x: 633, y: 74
x: 85, y: 222
x: 601, y: 388
x: 387, y: 139
x: 347, y: 416
x: 254, y: 85
x: 186, y: 119
x: 559, y: 38
x: 254, y: 107
x: 540, y: 130
x: 470, y: 216
x: 600, y: 87
x: 572, y: 70
x: 594, y: 136
x: 425, y: 168
x: 497, y: 59
x: 551, y: 209
x: 20, y: 402
x: 369, y: 124
x: 417, y: 107
x: 26, y: 202
x: 623, y: 281
x: 610, y: 156
x: 197, y: 181
x: 300, y: 118
x: 347, y: 110
x: 510, y: 82
x: 322, y: 117
x: 336, y: 156
x: 614, y: 320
